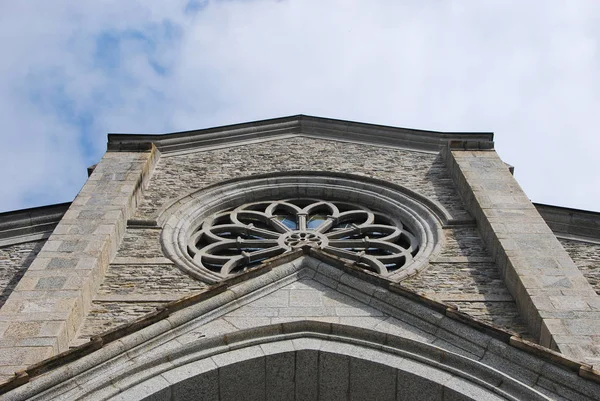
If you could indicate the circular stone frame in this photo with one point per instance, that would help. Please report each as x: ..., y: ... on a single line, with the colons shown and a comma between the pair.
x: 423, y: 216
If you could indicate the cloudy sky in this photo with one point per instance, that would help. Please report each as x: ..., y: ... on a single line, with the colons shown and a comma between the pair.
x: 70, y: 72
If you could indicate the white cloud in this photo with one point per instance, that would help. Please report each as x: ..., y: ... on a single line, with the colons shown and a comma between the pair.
x: 526, y: 70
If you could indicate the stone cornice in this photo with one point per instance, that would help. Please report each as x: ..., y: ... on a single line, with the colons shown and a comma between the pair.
x: 317, y: 127
x: 581, y: 225
x: 30, y: 224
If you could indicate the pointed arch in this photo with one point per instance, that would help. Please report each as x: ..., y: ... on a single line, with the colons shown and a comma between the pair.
x: 304, y: 360
x: 171, y: 355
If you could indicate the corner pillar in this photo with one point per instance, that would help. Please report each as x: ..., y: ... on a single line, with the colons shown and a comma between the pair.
x: 44, y: 312
x: 554, y: 298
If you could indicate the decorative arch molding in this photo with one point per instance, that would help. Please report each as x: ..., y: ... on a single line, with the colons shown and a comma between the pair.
x: 175, y: 343
x: 180, y: 218
x: 334, y: 360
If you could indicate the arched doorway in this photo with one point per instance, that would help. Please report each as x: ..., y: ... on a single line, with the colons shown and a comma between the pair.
x: 289, y: 362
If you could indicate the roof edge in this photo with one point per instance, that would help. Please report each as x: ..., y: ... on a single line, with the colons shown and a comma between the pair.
x: 30, y: 224
x: 582, y: 225
x: 327, y: 128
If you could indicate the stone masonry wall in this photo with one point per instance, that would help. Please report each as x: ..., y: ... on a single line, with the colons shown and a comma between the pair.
x: 14, y: 261
x: 140, y: 243
x: 165, y: 280
x: 465, y: 275
x: 45, y: 310
x: 140, y: 278
x: 138, y: 281
x: 177, y: 175
x: 587, y: 258
x: 104, y: 316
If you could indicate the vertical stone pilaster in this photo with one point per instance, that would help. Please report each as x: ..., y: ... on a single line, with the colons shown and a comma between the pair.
x: 553, y: 296
x: 44, y: 312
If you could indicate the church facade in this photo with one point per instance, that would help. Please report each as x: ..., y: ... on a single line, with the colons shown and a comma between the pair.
x: 300, y: 258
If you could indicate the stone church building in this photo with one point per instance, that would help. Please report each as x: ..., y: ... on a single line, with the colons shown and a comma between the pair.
x: 300, y: 258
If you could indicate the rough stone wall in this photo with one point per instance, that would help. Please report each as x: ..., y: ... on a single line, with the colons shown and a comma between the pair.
x: 140, y: 243
x: 14, y: 261
x: 165, y: 280
x: 587, y: 258
x: 104, y: 316
x: 140, y: 277
x: 465, y: 242
x: 138, y: 281
x: 465, y: 275
x: 177, y: 175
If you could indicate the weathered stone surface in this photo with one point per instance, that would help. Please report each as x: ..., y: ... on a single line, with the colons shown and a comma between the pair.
x: 280, y: 375
x: 368, y: 378
x: 503, y: 314
x: 14, y: 261
x: 323, y: 304
x: 352, y: 378
x: 464, y: 241
x: 127, y: 288
x: 140, y: 243
x: 533, y: 264
x: 105, y: 316
x: 176, y: 175
x: 447, y: 281
x: 243, y: 381
x: 127, y: 291
x: 586, y: 256
x: 307, y: 375
x: 475, y: 287
x: 148, y: 279
x: 522, y: 256
x: 59, y: 284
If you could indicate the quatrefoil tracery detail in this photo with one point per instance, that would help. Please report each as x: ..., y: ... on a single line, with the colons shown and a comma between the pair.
x: 233, y: 240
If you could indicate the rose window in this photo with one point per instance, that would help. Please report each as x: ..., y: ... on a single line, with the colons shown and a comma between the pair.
x: 231, y: 241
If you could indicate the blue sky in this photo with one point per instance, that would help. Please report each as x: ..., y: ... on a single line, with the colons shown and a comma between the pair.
x: 71, y: 72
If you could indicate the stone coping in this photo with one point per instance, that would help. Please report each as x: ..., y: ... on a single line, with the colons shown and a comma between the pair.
x: 581, y: 225
x: 97, y: 342
x: 299, y: 124
x: 31, y: 224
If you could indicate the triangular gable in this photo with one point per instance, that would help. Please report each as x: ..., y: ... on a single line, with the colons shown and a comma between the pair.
x: 309, y: 284
x: 314, y: 293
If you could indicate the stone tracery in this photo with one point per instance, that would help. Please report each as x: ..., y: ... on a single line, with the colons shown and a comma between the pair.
x: 232, y: 240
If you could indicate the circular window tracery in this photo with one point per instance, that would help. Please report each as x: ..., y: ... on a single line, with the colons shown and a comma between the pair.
x: 233, y: 240
x: 294, y: 199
